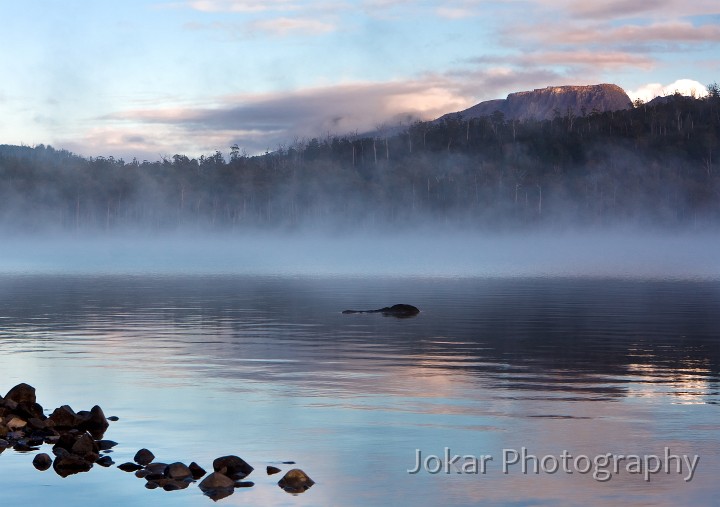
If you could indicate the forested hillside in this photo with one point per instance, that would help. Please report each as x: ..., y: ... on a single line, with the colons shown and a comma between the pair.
x: 654, y: 164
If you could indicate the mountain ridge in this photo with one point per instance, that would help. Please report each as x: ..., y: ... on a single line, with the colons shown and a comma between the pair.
x: 545, y: 103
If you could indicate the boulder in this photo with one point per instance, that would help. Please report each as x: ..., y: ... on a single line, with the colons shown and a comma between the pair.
x: 104, y: 461
x: 106, y: 445
x: 86, y: 447
x: 129, y: 467
x: 143, y: 457
x: 197, y: 470
x: 156, y: 468
x: 217, y: 486
x: 178, y: 471
x: 295, y: 481
x: 216, y: 480
x: 96, y: 423
x: 271, y: 470
x: 69, y: 464
x: 42, y: 462
x: 21, y: 393
x: 64, y: 417
x: 232, y: 466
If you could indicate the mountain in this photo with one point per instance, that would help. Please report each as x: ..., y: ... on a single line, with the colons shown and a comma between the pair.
x: 543, y: 103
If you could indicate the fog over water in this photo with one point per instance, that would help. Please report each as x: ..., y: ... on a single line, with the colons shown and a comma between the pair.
x: 428, y: 252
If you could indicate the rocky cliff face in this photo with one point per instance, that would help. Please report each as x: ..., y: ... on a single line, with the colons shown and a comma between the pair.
x: 542, y: 103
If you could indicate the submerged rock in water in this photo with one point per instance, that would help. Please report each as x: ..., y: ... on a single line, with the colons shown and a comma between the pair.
x: 196, y: 470
x: 178, y: 471
x: 217, y: 486
x: 143, y: 457
x: 129, y: 467
x: 42, y: 462
x: 232, y: 466
x: 295, y: 481
x: 64, y: 417
x: 106, y: 445
x: 104, y: 461
x: 69, y: 464
x: 400, y: 311
x: 76, y: 440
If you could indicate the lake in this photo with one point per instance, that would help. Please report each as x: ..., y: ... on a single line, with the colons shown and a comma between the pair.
x: 202, y: 365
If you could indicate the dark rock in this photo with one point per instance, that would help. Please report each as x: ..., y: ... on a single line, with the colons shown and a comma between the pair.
x: 29, y: 410
x: 271, y: 470
x: 129, y: 467
x: 104, y: 461
x: 36, y: 423
x: 66, y: 441
x: 113, y: 418
x: 152, y: 485
x: 174, y: 486
x: 64, y: 417
x: 42, y: 462
x: 10, y: 405
x: 15, y: 435
x: 244, y: 484
x: 295, y: 481
x: 196, y: 470
x: 24, y: 446
x: 70, y: 464
x: 60, y: 451
x: 52, y: 439
x: 35, y: 441
x: 216, y: 480
x: 106, y: 445
x: 400, y: 311
x: 96, y: 423
x: 217, y: 486
x: 21, y: 393
x: 84, y: 446
x: 232, y: 466
x: 141, y: 474
x: 288, y: 462
x: 143, y: 457
x: 156, y: 468
x: 178, y: 471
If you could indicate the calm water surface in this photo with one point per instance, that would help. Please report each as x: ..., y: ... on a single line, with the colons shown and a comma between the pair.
x: 269, y: 369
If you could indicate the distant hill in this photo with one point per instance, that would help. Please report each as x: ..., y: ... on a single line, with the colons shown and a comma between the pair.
x: 543, y: 103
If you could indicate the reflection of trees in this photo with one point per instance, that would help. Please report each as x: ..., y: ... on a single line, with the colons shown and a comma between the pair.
x: 562, y: 335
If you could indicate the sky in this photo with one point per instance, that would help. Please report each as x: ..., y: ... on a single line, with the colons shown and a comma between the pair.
x: 152, y: 78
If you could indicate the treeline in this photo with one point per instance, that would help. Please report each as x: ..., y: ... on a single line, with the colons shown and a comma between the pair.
x: 655, y: 163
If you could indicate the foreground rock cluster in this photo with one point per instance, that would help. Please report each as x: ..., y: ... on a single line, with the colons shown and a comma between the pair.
x: 77, y: 445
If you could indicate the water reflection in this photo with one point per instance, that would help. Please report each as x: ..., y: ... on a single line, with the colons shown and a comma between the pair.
x: 272, y: 366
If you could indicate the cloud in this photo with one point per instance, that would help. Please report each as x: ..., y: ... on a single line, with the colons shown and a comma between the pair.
x: 622, y: 9
x: 291, y: 26
x: 598, y: 60
x: 241, y: 5
x: 538, y: 69
x: 603, y: 34
x: 649, y: 91
x: 258, y: 122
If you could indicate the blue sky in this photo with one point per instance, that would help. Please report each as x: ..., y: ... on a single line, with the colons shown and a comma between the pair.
x: 151, y: 78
